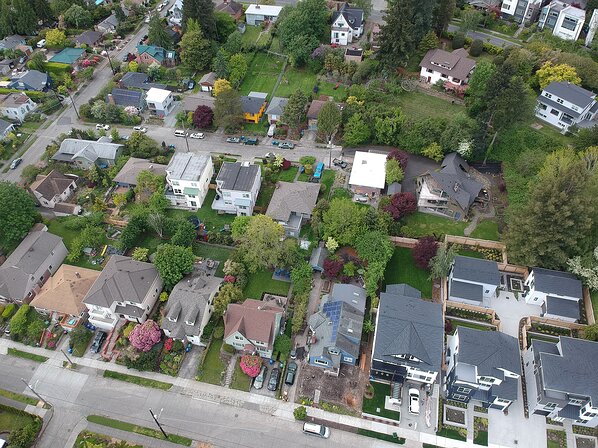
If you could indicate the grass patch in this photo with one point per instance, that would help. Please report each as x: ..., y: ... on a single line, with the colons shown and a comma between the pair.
x: 380, y: 436
x: 87, y: 439
x: 265, y: 195
x: 328, y: 180
x: 56, y: 226
x: 471, y: 253
x: 262, y: 282
x: 215, y: 253
x: 139, y: 380
x: 486, y: 230
x: 459, y: 323
x: 288, y: 175
x: 305, y: 80
x: 26, y: 355
x: 420, y: 106
x: 402, y: 269
x: 18, y: 397
x: 262, y: 74
x: 241, y: 381
x: 151, y: 242
x: 208, y: 216
x: 249, y: 37
x: 481, y: 438
x: 129, y: 427
x: 423, y: 224
x: 371, y: 406
x: 210, y: 371
x: 81, y: 345
x: 12, y: 420
x: 450, y: 433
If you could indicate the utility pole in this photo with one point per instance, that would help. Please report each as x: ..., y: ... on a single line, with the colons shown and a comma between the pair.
x: 110, y: 62
x: 186, y: 135
x: 67, y: 358
x: 74, y: 106
x: 36, y: 394
x: 155, y: 417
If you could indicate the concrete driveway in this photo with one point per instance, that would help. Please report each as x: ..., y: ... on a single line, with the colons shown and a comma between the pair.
x: 427, y: 404
x: 511, y: 310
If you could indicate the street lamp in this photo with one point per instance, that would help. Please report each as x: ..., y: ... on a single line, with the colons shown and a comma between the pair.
x: 156, y: 417
x: 72, y: 101
x: 36, y: 394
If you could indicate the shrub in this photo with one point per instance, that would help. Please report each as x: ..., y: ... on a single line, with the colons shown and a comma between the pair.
x: 251, y: 365
x: 458, y: 41
x: 144, y: 336
x: 424, y: 251
x: 9, y: 311
x: 477, y: 46
x: 332, y: 268
x: 300, y: 413
x: 128, y: 329
x: 219, y: 332
x: 228, y: 348
x: 163, y: 296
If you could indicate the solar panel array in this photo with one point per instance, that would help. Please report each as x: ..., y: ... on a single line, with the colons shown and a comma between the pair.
x: 333, y: 311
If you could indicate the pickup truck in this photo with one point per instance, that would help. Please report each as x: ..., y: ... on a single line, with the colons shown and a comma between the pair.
x: 340, y: 163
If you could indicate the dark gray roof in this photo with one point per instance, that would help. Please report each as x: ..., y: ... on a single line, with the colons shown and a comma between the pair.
x: 476, y: 270
x: 455, y: 63
x: 570, y: 92
x: 293, y: 197
x: 570, y: 411
x: 33, y: 78
x: 11, y: 42
x: 318, y: 255
x: 237, y: 176
x: 563, y: 307
x: 251, y: 104
x: 135, y: 80
x: 509, y: 388
x: 353, y: 16
x: 125, y: 97
x: 129, y: 172
x: 558, y: 106
x: 351, y: 294
x: 129, y: 310
x: 409, y: 326
x: 489, y: 351
x: 277, y: 106
x: 557, y: 282
x: 89, y: 37
x: 403, y: 289
x: 5, y: 126
x: 467, y: 291
x: 353, y: 52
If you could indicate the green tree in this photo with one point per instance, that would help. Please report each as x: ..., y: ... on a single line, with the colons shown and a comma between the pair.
x: 396, y: 38
x: 17, y: 214
x: 433, y: 151
x: 229, y: 293
x: 6, y: 23
x: 237, y: 67
x: 329, y: 119
x: 185, y: 234
x: 234, y: 43
x: 478, y: 85
x: 443, y: 13
x: 260, y: 246
x: 220, y: 63
x: 441, y: 263
x: 119, y: 199
x: 202, y: 11
x: 142, y: 146
x: 196, y: 50
x: 470, y: 19
x: 148, y: 182
x: 388, y: 126
x: 24, y: 19
x: 294, y: 111
x: 239, y: 227
x: 55, y: 38
x: 429, y: 42
x: 394, y: 172
x: 42, y: 10
x: 228, y: 112
x: 343, y: 221
x: 78, y: 17
x: 366, y: 5
x: 140, y: 254
x: 157, y: 34
x: 560, y: 73
x: 283, y: 344
x: 225, y: 25
x: 357, y: 131
x: 34, y: 329
x: 374, y: 246
x: 173, y: 263
x: 18, y: 322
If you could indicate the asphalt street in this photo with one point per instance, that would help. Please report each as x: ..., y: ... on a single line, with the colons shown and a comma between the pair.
x: 486, y: 37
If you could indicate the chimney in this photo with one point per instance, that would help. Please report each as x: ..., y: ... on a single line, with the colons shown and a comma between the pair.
x: 257, y: 6
x: 111, y: 99
x: 77, y: 275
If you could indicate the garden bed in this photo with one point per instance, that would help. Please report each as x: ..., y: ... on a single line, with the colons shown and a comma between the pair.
x: 381, y: 436
x: 556, y: 438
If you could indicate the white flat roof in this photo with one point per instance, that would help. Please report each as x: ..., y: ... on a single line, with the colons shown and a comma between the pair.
x: 264, y: 10
x: 157, y: 95
x: 369, y: 170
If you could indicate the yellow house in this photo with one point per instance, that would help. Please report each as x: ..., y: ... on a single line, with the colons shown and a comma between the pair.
x: 254, y: 106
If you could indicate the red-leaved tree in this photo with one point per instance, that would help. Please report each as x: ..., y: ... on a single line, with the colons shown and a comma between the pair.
x: 400, y: 156
x: 251, y: 365
x: 203, y: 117
x: 401, y: 204
x: 424, y: 251
x: 144, y: 336
x: 332, y: 268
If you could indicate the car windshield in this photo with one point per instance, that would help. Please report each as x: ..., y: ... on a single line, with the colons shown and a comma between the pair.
x: 322, y: 430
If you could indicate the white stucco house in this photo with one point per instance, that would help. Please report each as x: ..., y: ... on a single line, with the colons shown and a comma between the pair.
x: 347, y: 25
x: 159, y: 101
x: 256, y: 14
x: 175, y: 13
x: 563, y: 105
x: 16, y: 106
x: 440, y: 65
x: 188, y: 177
x: 368, y: 173
x: 565, y: 20
x: 53, y: 189
x: 237, y: 187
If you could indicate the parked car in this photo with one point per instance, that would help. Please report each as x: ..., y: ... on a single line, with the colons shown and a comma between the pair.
x: 41, y: 43
x: 273, y: 383
x: 250, y: 141
x: 293, y: 354
x: 269, y: 155
x: 15, y: 163
x: 291, y: 372
x: 7, y: 330
x: 340, y: 163
x: 191, y: 84
x: 286, y: 145
x: 233, y: 140
x: 414, y: 401
x: 147, y: 19
x: 361, y: 198
x: 258, y: 383
x: 22, y: 59
x: 179, y: 133
x: 197, y: 135
x: 318, y: 171
x: 160, y: 7
x: 105, y: 127
x: 126, y: 58
x: 271, y: 130
x: 140, y: 129
x: 313, y: 429
x: 98, y: 340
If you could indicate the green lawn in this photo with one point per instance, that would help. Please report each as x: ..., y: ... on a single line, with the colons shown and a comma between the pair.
x: 422, y: 224
x: 420, y: 106
x: 328, y: 180
x: 486, y: 230
x: 481, y: 438
x: 305, y: 80
x: 458, y: 323
x: 26, y: 355
x: 18, y: 397
x: 401, y: 269
x: 11, y: 421
x: 81, y: 346
x: 209, y: 217
x: 150, y: 241
x: 139, y: 380
x: 262, y: 282
x: 288, y: 175
x: 471, y: 253
x: 451, y: 434
x: 241, y: 381
x: 212, y: 368
x: 215, y: 253
x: 265, y: 196
x: 129, y: 427
x: 371, y: 406
x: 251, y: 34
x: 56, y: 226
x: 381, y: 436
x: 262, y: 74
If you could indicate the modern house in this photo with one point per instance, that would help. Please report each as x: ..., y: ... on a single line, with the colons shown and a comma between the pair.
x: 563, y: 105
x: 347, y: 25
x: 452, y: 67
x: 126, y: 98
x: 449, y: 192
x: 368, y: 173
x: 257, y: 14
x: 16, y: 106
x: 125, y: 289
x: 188, y: 177
x: 89, y: 38
x: 31, y: 80
x: 562, y: 380
x: 206, y: 83
x: 150, y: 54
x: 237, y: 188
x: 136, y: 80
x: 232, y: 8
x: 253, y: 106
x: 292, y: 205
x: 558, y: 293
x: 5, y: 128
x: 85, y: 153
x: 68, y: 56
x: 27, y: 268
x: 335, y: 330
x: 521, y: 11
x: 276, y: 109
x: 252, y: 326
x: 108, y: 25
x: 175, y: 13
x: 54, y: 188
x: 127, y: 176
x: 483, y: 366
x: 159, y: 102
x: 409, y: 338
x: 62, y: 295
x: 189, y: 306
x: 474, y: 281
x: 564, y: 19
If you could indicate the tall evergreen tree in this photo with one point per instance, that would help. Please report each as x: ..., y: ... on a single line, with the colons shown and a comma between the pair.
x: 24, y: 17
x: 396, y: 35
x: 6, y: 26
x: 443, y: 13
x: 157, y: 34
x: 196, y: 51
x: 203, y: 12
x: 42, y: 10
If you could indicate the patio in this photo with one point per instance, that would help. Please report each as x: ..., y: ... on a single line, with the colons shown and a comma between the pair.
x: 511, y: 309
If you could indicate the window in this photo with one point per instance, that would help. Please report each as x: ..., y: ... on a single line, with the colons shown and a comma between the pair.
x: 442, y: 75
x: 560, y: 101
x: 575, y: 401
x: 554, y: 112
x: 429, y: 70
x: 193, y: 204
x: 177, y: 191
x: 245, y: 195
x: 542, y: 106
x: 547, y: 95
x: 569, y: 24
x: 550, y: 406
x: 238, y: 338
x: 464, y: 390
x: 320, y: 362
x: 460, y: 397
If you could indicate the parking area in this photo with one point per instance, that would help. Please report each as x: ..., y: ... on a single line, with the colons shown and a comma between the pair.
x: 511, y: 309
x: 427, y: 418
x: 264, y: 389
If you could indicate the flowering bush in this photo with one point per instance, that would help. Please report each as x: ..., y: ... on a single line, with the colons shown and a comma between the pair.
x: 168, y: 344
x: 131, y: 110
x: 144, y: 336
x: 251, y: 365
x: 229, y: 278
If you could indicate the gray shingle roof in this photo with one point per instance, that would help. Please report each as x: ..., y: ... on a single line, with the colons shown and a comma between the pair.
x: 129, y: 172
x: 4, y: 126
x: 292, y: 197
x: 236, y: 176
x: 71, y: 148
x: 353, y: 16
x: 277, y: 105
x: 570, y: 92
x: 135, y: 80
x: 208, y: 79
x: 563, y: 307
x: 455, y: 182
x: 557, y: 282
x: 558, y: 106
x: 476, y: 270
x: 33, y: 78
x: 89, y: 38
x: 251, y: 105
x: 489, y: 351
x: 187, y: 166
x: 125, y: 97
x: 455, y: 63
x: 468, y: 291
x: 11, y: 42
x: 318, y: 255
x: 403, y: 289
x: 508, y: 389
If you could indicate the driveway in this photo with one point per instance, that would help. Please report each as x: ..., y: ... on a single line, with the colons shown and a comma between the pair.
x: 190, y: 363
x: 511, y: 310
x: 428, y: 404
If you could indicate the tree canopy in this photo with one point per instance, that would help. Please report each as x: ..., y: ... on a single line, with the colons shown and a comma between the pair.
x: 259, y: 246
x: 17, y: 214
x: 173, y: 262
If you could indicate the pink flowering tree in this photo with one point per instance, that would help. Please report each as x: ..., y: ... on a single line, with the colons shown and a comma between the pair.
x: 144, y: 336
x: 251, y: 365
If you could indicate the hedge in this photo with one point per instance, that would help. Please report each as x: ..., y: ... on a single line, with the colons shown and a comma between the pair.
x: 58, y: 68
x: 33, y: 94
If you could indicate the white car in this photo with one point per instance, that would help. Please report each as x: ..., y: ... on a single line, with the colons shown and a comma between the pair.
x: 41, y: 43
x: 165, y: 3
x: 147, y: 19
x: 414, y: 401
x: 160, y: 7
x: 105, y: 127
x: 197, y: 135
x: 140, y: 129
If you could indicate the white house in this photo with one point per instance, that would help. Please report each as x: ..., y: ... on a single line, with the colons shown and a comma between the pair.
x: 126, y: 289
x: 473, y: 280
x: 558, y: 293
x: 16, y: 106
x: 439, y: 65
x: 565, y: 20
x: 188, y: 177
x: 563, y: 105
x: 85, y: 153
x: 347, y: 25
x: 256, y: 14
x: 368, y: 174
x: 521, y: 11
x: 5, y: 128
x: 159, y: 101
x: 237, y: 188
x: 54, y: 188
x: 175, y: 13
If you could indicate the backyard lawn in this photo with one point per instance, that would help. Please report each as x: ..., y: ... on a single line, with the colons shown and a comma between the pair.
x: 402, y: 269
x: 262, y: 282
x: 422, y: 224
x: 262, y: 74
x: 305, y: 80
x: 241, y: 381
x: 212, y: 367
x: 215, y: 253
x: 486, y: 230
x: 208, y: 216
x: 251, y: 34
x: 371, y: 406
x: 56, y: 226
x: 264, y: 196
x: 420, y: 106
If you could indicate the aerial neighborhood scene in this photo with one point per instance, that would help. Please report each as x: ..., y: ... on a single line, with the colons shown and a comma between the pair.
x: 298, y: 223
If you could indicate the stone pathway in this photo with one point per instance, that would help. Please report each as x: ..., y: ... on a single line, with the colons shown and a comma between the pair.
x: 477, y: 217
x: 230, y: 371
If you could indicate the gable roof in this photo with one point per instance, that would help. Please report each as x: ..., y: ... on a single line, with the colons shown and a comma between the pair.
x: 208, y: 79
x: 68, y: 56
x: 14, y: 99
x: 109, y: 22
x: 126, y: 97
x: 11, y: 42
x: 229, y: 7
x: 33, y: 78
x: 489, y: 351
x: 454, y: 63
x: 122, y: 279
x: 353, y: 16
x: 251, y: 104
x: 237, y: 176
x: 557, y: 283
x: 158, y: 53
x: 130, y: 170
x: 314, y: 109
x: 571, y: 93
x: 72, y: 148
x: 5, y: 126
x: 89, y: 38
x: 368, y: 170
x: 52, y: 184
x: 253, y: 319
x: 187, y: 166
x: 292, y: 197
x: 136, y: 80
x: 476, y: 270
x: 277, y: 106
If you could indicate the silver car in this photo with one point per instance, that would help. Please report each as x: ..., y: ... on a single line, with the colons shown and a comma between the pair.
x: 258, y: 383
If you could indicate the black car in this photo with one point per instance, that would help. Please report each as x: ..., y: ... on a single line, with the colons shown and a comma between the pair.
x: 291, y: 372
x: 98, y: 340
x: 273, y: 382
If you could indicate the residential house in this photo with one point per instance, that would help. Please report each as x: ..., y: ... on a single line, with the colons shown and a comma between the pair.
x: 312, y: 114
x: 62, y: 295
x: 368, y: 173
x: 16, y: 106
x: 408, y: 340
x: 292, y: 205
x: 159, y: 102
x: 276, y: 109
x: 85, y: 153
x: 150, y: 54
x: 232, y: 8
x: 5, y: 128
x: 353, y: 55
x: 126, y: 98
x: 27, y: 268
x: 564, y: 19
x: 257, y: 14
x: 175, y: 13
x: 562, y: 380
x: 127, y: 176
x: 474, y: 281
x: 254, y: 106
x: 135, y: 80
x: 453, y: 67
x: 69, y: 56
x: 451, y: 191
x: 521, y: 11
x: 89, y: 38
x: 318, y: 256
x: 563, y: 105
x: 12, y: 42
x: 206, y: 83
x: 237, y: 187
x: 335, y: 330
x: 483, y: 366
x: 188, y: 176
x: 53, y: 189
x: 6, y: 66
x: 125, y: 289
x: 193, y: 101
x: 189, y: 306
x: 108, y: 25
x: 252, y: 326
x: 31, y: 80
x: 347, y: 25
x: 560, y: 294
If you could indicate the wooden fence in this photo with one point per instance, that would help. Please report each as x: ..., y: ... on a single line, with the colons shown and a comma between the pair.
x: 587, y: 303
x: 403, y: 242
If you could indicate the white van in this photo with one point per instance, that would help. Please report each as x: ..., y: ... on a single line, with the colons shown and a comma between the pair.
x: 271, y: 130
x: 313, y: 429
x: 179, y: 133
